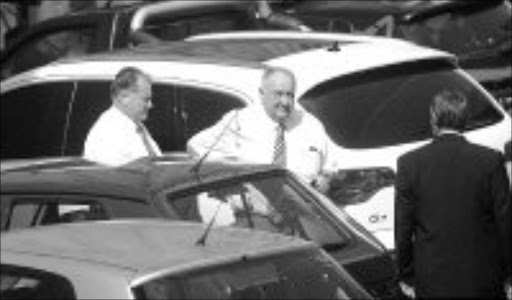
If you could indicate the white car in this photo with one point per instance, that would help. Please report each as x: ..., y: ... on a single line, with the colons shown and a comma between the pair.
x: 151, y: 259
x: 371, y: 94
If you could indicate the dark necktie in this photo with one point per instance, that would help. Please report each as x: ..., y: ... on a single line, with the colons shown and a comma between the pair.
x: 141, y: 130
x: 280, y: 147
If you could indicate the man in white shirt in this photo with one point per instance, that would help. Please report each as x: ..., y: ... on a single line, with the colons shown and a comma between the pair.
x: 251, y: 134
x: 119, y: 136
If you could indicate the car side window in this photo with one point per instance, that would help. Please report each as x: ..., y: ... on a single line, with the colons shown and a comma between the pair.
x: 201, y: 108
x: 33, y: 120
x: 46, y: 48
x: 28, y: 212
x: 21, y: 211
x: 91, y: 99
x: 18, y: 282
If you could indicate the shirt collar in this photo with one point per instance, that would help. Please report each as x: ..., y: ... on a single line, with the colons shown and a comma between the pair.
x: 122, y: 117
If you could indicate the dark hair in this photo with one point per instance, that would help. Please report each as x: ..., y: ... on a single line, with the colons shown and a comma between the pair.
x: 126, y: 80
x: 449, y: 110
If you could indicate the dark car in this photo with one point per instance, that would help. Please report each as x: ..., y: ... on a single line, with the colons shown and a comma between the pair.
x: 174, y: 187
x: 105, y: 29
x: 478, y: 32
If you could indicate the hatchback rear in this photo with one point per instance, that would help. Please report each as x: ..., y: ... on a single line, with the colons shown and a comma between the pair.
x: 374, y: 104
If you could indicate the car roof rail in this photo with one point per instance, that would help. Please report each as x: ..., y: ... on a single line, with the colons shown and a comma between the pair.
x: 40, y: 164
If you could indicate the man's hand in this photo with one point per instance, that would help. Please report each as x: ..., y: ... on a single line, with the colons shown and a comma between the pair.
x: 321, y: 182
x: 407, y: 290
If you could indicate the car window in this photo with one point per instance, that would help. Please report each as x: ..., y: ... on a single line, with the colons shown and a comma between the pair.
x: 33, y: 120
x: 390, y: 105
x: 91, y: 99
x: 272, y: 204
x: 28, y: 212
x: 178, y: 112
x: 27, y: 283
x: 201, y: 108
x: 292, y: 275
x: 178, y: 28
x: 48, y: 47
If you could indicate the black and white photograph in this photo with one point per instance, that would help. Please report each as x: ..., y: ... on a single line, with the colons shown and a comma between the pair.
x: 256, y: 149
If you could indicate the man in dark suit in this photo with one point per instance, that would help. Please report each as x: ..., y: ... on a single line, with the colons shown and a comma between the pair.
x: 452, y: 212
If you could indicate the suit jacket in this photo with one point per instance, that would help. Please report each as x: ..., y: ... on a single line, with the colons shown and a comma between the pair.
x: 453, y: 219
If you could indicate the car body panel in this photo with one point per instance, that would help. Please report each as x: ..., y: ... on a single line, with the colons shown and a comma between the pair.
x: 108, y: 259
x: 152, y: 182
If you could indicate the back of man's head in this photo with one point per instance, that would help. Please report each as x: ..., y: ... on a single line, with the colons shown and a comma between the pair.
x: 125, y: 81
x: 448, y: 110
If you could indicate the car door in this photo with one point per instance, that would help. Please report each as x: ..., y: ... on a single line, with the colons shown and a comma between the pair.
x: 33, y: 119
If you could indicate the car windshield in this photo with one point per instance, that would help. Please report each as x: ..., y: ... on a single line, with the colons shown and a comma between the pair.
x: 272, y: 203
x: 292, y: 275
x: 473, y: 33
x: 390, y: 105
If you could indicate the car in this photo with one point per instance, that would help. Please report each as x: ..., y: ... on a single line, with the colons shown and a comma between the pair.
x: 178, y: 187
x: 478, y: 32
x: 156, y: 259
x: 371, y: 93
x: 122, y: 26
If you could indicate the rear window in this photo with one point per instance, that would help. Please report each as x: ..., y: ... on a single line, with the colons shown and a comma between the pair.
x: 299, y: 275
x: 390, y: 105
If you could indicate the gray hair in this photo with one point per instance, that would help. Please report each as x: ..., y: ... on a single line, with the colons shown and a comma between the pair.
x: 449, y: 110
x: 126, y: 80
x: 269, y: 71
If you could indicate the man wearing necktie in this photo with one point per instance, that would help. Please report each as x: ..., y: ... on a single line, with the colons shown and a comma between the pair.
x: 119, y: 135
x: 274, y: 132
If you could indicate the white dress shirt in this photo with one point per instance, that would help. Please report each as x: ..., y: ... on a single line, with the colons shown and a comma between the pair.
x: 114, y: 140
x: 249, y: 134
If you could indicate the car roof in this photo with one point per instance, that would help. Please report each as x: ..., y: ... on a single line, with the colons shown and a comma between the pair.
x: 407, y: 11
x: 241, y: 55
x: 146, y: 245
x: 136, y: 180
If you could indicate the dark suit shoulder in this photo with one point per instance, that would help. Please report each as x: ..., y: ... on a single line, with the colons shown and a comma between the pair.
x: 414, y: 154
x: 485, y: 153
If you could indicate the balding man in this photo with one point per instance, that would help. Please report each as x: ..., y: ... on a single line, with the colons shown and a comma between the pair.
x: 273, y: 132
x: 119, y: 135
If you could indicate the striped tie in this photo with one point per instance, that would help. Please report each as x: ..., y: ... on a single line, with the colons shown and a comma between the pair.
x: 141, y: 130
x: 280, y: 147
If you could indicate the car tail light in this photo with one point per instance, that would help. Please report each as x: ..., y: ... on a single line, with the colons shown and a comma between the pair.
x: 353, y: 186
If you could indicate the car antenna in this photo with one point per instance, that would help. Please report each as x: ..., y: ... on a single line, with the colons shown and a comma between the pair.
x: 202, y: 240
x: 197, y: 166
x: 335, y: 47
